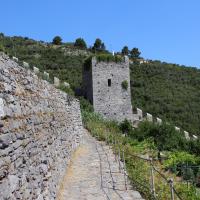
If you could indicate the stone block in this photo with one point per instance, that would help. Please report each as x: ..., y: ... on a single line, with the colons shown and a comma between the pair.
x: 67, y: 85
x: 2, y: 113
x: 187, y: 136
x: 36, y: 70
x: 158, y: 121
x: 17, y: 144
x: 177, y: 129
x: 46, y: 75
x: 56, y: 82
x: 140, y: 114
x: 5, y: 140
x: 25, y: 64
x: 13, y: 183
x: 149, y: 117
x: 3, y: 171
x: 15, y: 59
x: 195, y: 137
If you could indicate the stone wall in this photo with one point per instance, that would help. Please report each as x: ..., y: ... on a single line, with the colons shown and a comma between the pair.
x: 40, y: 127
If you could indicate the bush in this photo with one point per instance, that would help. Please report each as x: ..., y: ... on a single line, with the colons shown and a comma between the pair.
x: 165, y: 136
x: 125, y: 85
x: 109, y: 58
x: 85, y: 105
x: 80, y: 43
x: 126, y: 127
x: 194, y: 146
x: 57, y: 40
x: 68, y: 90
x: 179, y: 159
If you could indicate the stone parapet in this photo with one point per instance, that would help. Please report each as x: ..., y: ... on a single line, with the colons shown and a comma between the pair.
x: 40, y: 127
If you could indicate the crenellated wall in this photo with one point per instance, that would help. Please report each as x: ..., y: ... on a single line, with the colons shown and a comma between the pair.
x: 40, y: 127
x: 139, y: 117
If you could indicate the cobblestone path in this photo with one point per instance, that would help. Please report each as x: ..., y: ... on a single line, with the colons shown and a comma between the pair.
x: 94, y: 174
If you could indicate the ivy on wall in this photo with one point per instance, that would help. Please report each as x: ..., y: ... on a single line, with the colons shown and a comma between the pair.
x: 125, y: 85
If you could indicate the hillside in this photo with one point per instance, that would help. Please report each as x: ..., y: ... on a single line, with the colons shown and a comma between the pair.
x: 169, y: 91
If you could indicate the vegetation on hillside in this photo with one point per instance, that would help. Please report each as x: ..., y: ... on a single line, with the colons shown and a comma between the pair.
x: 165, y: 90
x: 136, y: 148
x: 168, y: 91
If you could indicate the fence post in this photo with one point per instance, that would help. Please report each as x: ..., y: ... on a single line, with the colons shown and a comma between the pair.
x: 115, y: 149
x: 171, y: 184
x: 108, y: 142
x: 119, y: 158
x: 124, y: 165
x: 152, y: 181
x: 106, y: 138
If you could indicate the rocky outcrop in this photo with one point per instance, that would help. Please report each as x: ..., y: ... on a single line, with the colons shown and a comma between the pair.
x: 40, y: 126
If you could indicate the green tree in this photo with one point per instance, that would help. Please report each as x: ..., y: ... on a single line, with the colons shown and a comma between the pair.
x: 1, y: 35
x: 125, y: 50
x: 103, y: 47
x: 97, y: 44
x: 57, y: 40
x: 135, y: 53
x: 80, y: 43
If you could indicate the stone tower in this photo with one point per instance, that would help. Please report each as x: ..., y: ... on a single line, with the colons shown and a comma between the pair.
x: 107, y: 86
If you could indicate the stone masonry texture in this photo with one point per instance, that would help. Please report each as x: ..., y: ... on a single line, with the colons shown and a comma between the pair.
x: 103, y: 87
x: 40, y: 127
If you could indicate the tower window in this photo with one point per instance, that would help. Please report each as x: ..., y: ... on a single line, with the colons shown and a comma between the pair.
x: 109, y: 82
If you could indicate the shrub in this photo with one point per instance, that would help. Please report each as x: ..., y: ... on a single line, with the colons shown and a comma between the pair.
x: 85, y: 105
x: 68, y: 90
x: 125, y: 85
x: 165, y: 136
x: 126, y: 126
x: 109, y: 58
x: 180, y: 158
x: 80, y: 43
x: 57, y: 40
x: 194, y: 146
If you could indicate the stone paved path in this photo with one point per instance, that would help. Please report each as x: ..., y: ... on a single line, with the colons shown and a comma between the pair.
x: 92, y: 174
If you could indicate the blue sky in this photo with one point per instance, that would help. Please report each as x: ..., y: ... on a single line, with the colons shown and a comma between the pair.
x: 167, y: 30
